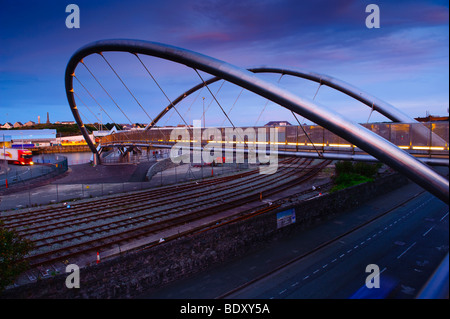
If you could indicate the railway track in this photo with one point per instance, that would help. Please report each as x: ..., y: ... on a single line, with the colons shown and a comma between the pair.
x: 40, y: 214
x: 59, y: 233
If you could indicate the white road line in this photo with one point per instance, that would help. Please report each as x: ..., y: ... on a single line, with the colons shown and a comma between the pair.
x: 443, y: 217
x: 428, y: 231
x: 398, y: 257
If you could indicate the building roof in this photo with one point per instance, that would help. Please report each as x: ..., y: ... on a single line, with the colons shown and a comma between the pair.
x: 432, y: 118
x: 277, y: 123
x: 31, y: 134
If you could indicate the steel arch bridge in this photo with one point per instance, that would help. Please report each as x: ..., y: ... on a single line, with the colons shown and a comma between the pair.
x: 365, y: 139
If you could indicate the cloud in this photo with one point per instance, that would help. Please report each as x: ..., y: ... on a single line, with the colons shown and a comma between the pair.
x: 327, y: 37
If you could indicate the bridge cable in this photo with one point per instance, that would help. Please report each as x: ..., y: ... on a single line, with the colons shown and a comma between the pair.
x: 107, y: 92
x: 318, y: 153
x: 78, y: 97
x: 267, y: 102
x: 171, y: 103
x: 99, y: 121
x: 370, y: 114
x: 125, y: 85
x: 93, y: 98
x: 151, y: 120
x: 88, y: 122
x: 304, y: 131
x: 229, y: 111
x: 223, y: 111
x: 317, y: 91
x: 209, y: 105
x: 204, y: 83
x: 90, y: 94
x: 190, y: 106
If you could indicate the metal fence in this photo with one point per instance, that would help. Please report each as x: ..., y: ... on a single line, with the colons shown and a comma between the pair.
x: 45, y: 165
x: 422, y: 138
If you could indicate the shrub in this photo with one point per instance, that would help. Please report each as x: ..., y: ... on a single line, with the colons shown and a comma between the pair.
x: 12, y: 252
x: 348, y: 174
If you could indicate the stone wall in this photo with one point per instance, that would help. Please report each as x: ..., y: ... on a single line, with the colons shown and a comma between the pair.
x: 133, y: 273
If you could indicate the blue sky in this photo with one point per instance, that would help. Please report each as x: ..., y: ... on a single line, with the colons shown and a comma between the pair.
x: 404, y: 62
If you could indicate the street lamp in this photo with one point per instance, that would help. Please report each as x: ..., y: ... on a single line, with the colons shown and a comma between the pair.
x: 204, y: 119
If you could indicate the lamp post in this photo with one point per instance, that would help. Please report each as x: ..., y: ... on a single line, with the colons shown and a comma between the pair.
x: 6, y: 163
x: 204, y: 120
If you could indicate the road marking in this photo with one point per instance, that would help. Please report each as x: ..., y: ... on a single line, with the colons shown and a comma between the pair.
x: 428, y: 231
x: 282, y: 291
x: 306, y: 277
x: 443, y: 217
x: 294, y: 284
x: 398, y: 257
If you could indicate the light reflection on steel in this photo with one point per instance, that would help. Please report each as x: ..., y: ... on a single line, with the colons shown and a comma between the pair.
x: 378, y: 105
x: 371, y: 101
x: 366, y: 140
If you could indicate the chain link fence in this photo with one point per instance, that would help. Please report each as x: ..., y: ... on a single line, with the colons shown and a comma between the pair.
x: 45, y: 166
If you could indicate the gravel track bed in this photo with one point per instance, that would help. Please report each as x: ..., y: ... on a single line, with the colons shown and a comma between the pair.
x: 69, y: 230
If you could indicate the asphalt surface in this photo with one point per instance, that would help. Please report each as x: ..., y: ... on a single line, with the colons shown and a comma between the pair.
x: 407, y: 245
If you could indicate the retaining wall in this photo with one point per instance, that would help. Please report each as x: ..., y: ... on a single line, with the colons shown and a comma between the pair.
x: 134, y: 273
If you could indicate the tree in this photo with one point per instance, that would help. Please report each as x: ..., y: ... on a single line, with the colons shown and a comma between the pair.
x: 13, y: 250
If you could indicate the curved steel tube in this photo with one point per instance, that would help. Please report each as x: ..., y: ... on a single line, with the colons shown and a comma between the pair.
x: 378, y: 105
x: 373, y: 102
x: 363, y: 138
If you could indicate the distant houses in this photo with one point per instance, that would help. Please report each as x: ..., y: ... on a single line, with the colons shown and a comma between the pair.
x: 29, y: 123
x: 7, y: 125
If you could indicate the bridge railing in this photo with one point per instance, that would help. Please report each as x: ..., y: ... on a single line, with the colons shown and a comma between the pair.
x: 408, y: 136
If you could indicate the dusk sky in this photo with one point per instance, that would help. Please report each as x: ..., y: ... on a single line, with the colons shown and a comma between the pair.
x: 405, y: 62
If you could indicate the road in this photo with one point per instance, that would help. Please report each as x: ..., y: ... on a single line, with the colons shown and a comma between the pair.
x: 407, y: 244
